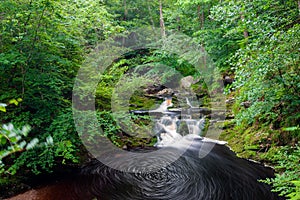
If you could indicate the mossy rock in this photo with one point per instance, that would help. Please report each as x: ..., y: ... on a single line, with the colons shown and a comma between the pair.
x: 141, y: 102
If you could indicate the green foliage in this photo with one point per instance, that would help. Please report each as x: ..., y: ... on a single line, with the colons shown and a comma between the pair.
x: 146, y: 67
x: 45, y: 155
x: 295, y: 194
x: 270, y: 84
x: 293, y: 128
x: 132, y: 14
x: 12, y: 140
x: 107, y: 83
x: 42, y: 46
x: 44, y: 42
x: 109, y: 126
x: 65, y: 137
x: 2, y: 107
x: 287, y: 182
x: 263, y: 55
x: 28, y: 162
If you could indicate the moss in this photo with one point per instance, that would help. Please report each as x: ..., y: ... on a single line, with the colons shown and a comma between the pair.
x: 138, y: 101
x: 270, y: 155
x: 228, y: 124
x: 133, y: 142
x: 256, y: 142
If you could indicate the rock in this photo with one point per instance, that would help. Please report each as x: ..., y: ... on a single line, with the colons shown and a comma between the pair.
x: 205, y: 111
x: 167, y: 92
x: 246, y: 104
x: 228, y: 80
x: 218, y: 115
x: 229, y: 116
x: 186, y: 82
x: 153, y: 89
x: 158, y: 91
x: 230, y: 101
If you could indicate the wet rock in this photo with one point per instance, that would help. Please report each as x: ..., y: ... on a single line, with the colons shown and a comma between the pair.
x: 205, y: 111
x: 167, y: 92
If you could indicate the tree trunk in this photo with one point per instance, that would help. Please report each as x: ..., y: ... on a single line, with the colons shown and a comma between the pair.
x: 200, y: 16
x: 125, y: 11
x: 161, y: 19
x: 200, y: 13
x: 151, y: 17
x: 178, y: 21
x: 204, y: 57
x: 246, y: 33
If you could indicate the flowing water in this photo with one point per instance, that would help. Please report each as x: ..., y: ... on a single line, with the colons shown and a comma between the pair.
x: 218, y: 175
x: 167, y: 127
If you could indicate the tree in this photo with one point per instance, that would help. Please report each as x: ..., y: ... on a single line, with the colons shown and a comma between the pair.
x: 42, y: 45
x: 161, y: 20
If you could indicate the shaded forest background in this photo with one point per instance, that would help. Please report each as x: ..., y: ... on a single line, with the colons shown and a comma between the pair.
x: 43, y: 43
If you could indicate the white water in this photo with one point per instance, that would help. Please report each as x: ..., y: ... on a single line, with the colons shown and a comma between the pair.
x: 167, y: 127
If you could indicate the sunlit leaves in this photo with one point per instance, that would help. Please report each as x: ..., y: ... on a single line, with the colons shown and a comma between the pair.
x: 2, y: 107
x: 12, y: 140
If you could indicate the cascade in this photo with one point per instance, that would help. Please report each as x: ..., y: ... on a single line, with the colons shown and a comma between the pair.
x: 168, y: 123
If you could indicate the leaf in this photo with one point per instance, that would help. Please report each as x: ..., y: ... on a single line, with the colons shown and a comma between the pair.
x: 292, y: 128
x: 8, y: 127
x: 3, y: 141
x: 25, y: 130
x: 49, y: 140
x: 13, y: 101
x: 296, y: 183
x: 21, y: 145
x: 32, y: 143
x: 3, y: 109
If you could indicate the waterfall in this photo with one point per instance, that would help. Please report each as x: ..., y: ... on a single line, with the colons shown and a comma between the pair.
x: 167, y: 126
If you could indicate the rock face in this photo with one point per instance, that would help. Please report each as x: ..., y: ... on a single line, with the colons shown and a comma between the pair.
x: 153, y: 89
x: 186, y: 82
x: 162, y: 91
x: 159, y: 91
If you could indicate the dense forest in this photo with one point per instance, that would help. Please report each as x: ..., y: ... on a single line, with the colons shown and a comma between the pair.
x: 251, y: 47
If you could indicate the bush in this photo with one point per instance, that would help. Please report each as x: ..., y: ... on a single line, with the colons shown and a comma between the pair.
x: 287, y: 182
